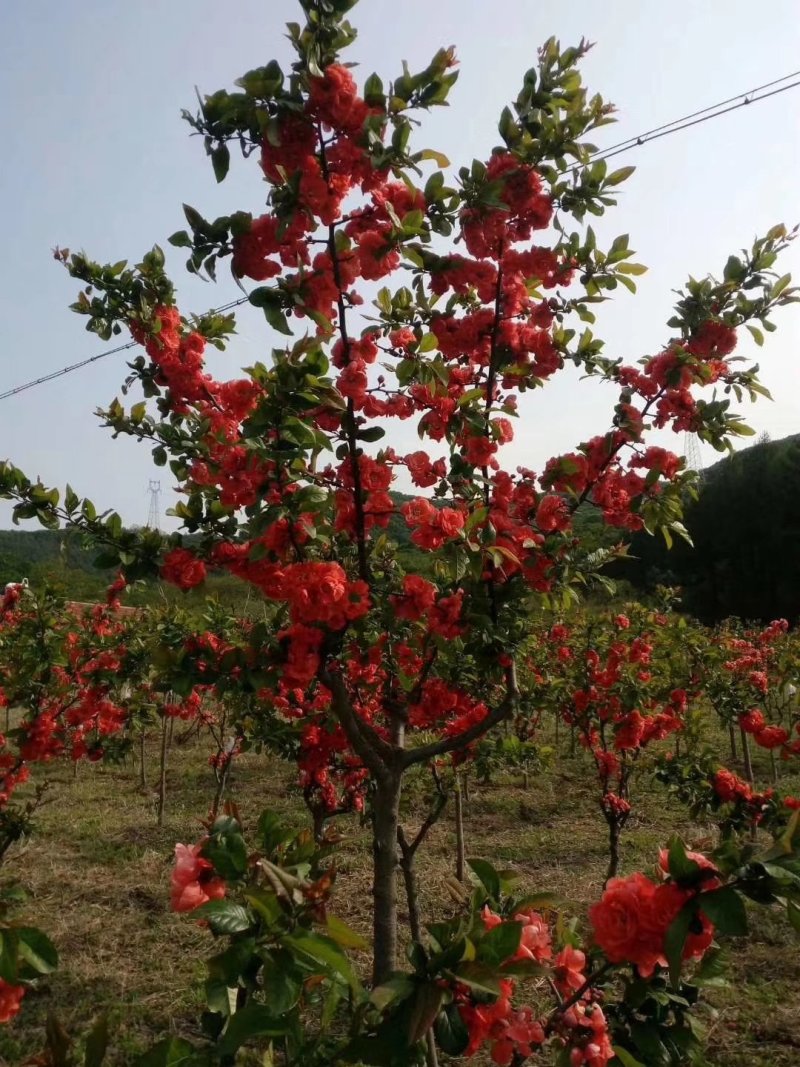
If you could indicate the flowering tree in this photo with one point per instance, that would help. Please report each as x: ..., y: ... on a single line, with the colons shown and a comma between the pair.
x: 620, y: 686
x: 285, y: 473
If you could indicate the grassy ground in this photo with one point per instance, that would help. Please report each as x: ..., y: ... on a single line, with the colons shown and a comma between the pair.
x: 98, y: 873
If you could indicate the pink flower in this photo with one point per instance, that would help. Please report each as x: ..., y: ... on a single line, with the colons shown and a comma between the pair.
x: 569, y: 965
x: 535, y: 941
x: 193, y: 879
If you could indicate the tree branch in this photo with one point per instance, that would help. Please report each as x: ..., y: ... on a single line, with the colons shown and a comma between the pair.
x: 377, y: 755
x: 423, y: 753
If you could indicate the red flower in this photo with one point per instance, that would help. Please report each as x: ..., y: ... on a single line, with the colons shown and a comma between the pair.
x: 552, y: 514
x: 193, y: 879
x: 771, y: 737
x: 620, y: 923
x: 10, y: 1000
x: 182, y: 568
x: 569, y: 965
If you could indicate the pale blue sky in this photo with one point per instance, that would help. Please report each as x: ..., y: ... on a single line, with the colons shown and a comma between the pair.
x: 95, y: 156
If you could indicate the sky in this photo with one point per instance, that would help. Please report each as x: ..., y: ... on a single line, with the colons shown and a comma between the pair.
x: 96, y: 157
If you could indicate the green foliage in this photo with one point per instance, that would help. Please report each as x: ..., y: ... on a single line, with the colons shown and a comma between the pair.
x: 743, y: 527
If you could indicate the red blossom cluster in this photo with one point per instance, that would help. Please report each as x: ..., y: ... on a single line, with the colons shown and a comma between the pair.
x: 631, y: 919
x: 512, y: 1034
x: 67, y: 681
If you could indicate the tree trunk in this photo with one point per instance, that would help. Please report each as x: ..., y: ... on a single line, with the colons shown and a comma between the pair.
x: 412, y: 899
x: 142, y: 764
x: 162, y: 780
x: 460, y: 850
x: 748, y: 763
x: 732, y: 739
x: 221, y: 781
x: 386, y: 813
x: 614, y: 833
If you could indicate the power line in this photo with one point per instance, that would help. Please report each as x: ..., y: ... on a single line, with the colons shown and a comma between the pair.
x: 100, y: 355
x: 687, y: 121
x: 703, y: 115
x: 694, y: 118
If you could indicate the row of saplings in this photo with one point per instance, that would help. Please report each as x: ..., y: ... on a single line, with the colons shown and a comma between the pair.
x: 508, y: 971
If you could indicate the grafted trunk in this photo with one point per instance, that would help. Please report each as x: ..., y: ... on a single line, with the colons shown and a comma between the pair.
x: 142, y: 763
x: 162, y: 778
x: 386, y: 808
x: 460, y: 848
x: 732, y: 739
x: 748, y: 763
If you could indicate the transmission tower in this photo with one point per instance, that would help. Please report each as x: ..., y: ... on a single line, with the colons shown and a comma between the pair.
x: 691, y: 450
x: 154, y: 514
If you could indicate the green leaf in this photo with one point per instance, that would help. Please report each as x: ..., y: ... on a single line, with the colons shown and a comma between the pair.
x: 425, y: 1008
x: 371, y: 433
x: 97, y: 1043
x: 439, y: 158
x: 344, y: 935
x: 487, y: 876
x: 224, y: 916
x: 282, y: 983
x: 269, y: 300
x: 180, y: 239
x: 253, y: 1020
x: 681, y: 868
x: 712, y: 970
x: 37, y: 949
x: 758, y: 336
x: 779, y: 286
x: 324, y: 952
x: 221, y: 161
x: 171, y: 1052
x: 626, y: 1058
x: 726, y: 910
x: 619, y: 176
x: 675, y: 939
x: 451, y: 1033
x: 228, y: 854
x: 398, y: 987
x: 500, y: 943
x: 479, y: 977
x: 9, y: 942
x: 793, y: 913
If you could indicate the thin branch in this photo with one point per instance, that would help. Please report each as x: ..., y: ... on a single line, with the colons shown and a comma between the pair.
x: 423, y: 753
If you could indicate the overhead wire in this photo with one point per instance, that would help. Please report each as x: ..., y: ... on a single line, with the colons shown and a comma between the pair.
x: 694, y: 118
x: 100, y: 355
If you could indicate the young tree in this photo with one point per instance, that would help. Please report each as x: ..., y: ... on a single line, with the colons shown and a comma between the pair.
x: 286, y: 472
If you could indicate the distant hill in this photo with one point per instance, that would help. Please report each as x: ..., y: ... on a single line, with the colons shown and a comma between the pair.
x: 22, y: 549
x: 58, y: 558
x: 746, y: 531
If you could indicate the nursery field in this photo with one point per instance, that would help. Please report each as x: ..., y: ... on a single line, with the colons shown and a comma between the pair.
x: 98, y: 871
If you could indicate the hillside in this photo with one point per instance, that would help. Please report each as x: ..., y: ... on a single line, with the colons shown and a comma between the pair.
x: 745, y: 528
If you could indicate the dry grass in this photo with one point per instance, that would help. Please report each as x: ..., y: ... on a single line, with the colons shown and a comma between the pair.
x: 98, y: 873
